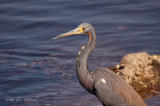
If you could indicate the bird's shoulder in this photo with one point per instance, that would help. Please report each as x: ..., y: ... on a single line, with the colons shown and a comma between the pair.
x: 106, y: 85
x: 106, y: 79
x: 106, y: 74
x: 109, y: 86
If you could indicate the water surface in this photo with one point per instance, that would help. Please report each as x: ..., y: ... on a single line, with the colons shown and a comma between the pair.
x: 35, y: 70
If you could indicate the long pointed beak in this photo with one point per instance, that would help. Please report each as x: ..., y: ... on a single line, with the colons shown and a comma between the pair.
x: 74, y: 31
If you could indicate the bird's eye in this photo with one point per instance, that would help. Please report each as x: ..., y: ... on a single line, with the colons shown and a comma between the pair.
x: 83, y: 28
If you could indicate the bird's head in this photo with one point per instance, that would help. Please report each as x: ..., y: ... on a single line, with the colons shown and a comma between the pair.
x: 83, y: 28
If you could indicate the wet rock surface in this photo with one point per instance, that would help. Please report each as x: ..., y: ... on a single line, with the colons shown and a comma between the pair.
x: 141, y: 71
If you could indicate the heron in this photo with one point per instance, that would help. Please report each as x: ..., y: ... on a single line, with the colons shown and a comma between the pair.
x: 108, y: 87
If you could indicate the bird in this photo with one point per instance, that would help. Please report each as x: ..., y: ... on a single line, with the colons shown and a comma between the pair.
x: 108, y: 87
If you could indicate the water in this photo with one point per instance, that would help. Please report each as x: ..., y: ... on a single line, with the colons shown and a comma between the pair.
x: 36, y: 70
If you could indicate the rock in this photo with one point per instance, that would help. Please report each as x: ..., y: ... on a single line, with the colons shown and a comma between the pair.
x: 140, y: 70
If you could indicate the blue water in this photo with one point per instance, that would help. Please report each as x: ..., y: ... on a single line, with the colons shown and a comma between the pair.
x: 36, y: 70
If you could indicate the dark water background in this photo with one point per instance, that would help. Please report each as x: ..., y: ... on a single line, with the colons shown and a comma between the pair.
x: 38, y: 71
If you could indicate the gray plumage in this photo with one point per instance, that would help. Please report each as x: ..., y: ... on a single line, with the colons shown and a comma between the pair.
x: 110, y: 89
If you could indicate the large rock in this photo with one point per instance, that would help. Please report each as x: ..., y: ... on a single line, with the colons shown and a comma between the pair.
x: 140, y: 70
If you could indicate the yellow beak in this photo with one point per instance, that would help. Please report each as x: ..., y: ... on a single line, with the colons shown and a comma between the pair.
x: 74, y: 31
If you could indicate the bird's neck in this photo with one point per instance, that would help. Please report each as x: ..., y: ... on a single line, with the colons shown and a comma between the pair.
x: 81, y: 64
